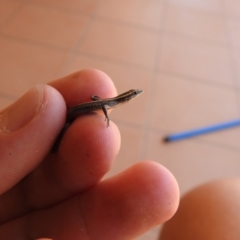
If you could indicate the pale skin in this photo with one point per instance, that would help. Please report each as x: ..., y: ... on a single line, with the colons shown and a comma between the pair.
x: 61, y: 196
x: 210, y: 211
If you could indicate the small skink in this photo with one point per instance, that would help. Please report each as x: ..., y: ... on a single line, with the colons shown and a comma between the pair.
x: 96, y: 105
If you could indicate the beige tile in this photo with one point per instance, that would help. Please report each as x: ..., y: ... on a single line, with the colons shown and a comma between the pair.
x: 232, y: 7
x: 195, y: 23
x: 143, y: 13
x: 121, y: 42
x: 206, y: 5
x: 196, y: 59
x: 46, y: 26
x: 236, y: 63
x: 192, y: 163
x: 9, y: 8
x: 150, y: 235
x: 129, y: 152
x: 225, y: 138
x: 83, y: 6
x: 182, y: 105
x: 22, y: 66
x: 234, y: 31
x: 124, y: 78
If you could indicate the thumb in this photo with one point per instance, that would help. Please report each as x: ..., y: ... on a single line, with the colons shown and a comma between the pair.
x: 27, y: 131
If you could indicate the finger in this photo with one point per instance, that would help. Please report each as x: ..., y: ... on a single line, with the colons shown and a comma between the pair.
x: 27, y: 130
x: 80, y: 86
x: 85, y: 155
x: 209, y: 211
x: 122, y: 207
x: 88, y: 147
x: 131, y: 203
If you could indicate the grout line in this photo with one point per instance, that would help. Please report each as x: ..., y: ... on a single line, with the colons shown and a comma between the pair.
x: 194, y: 39
x: 109, y: 59
x: 183, y: 6
x: 73, y: 52
x: 106, y: 59
x: 33, y: 43
x: 72, y: 12
x: 127, y: 124
x: 207, y: 82
x: 58, y: 8
x: 217, y: 145
x: 159, y: 132
x: 233, y: 64
x: 114, y: 61
x: 160, y: 30
x: 170, y: 33
x: 152, y: 89
x: 126, y: 24
x: 7, y: 96
x: 144, y: 141
x: 197, y: 140
x: 134, y: 25
x: 14, y: 13
x: 76, y: 53
x: 155, y: 71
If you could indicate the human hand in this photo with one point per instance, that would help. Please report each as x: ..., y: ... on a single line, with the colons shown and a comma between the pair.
x: 61, y: 196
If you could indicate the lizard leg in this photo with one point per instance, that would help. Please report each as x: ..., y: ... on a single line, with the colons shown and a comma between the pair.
x: 106, y: 114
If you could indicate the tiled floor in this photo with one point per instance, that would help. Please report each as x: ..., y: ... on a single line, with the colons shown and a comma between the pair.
x: 185, y: 55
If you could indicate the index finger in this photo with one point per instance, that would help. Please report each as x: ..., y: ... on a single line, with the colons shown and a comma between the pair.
x: 78, y: 87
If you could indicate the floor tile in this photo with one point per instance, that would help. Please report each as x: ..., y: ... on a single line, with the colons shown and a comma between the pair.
x: 236, y: 63
x: 23, y: 66
x: 195, y: 23
x: 232, y: 7
x: 129, y: 152
x: 46, y: 26
x: 228, y: 138
x: 121, y: 42
x: 150, y: 235
x: 183, y: 105
x: 124, y: 78
x: 192, y: 163
x: 83, y: 6
x: 9, y: 8
x: 143, y: 13
x: 213, y: 6
x: 196, y: 86
x: 196, y: 59
x: 234, y: 31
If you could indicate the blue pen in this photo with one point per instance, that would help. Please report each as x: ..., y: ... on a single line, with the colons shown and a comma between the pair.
x: 200, y: 131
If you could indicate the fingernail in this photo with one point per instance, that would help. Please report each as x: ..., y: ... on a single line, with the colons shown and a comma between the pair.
x: 22, y: 111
